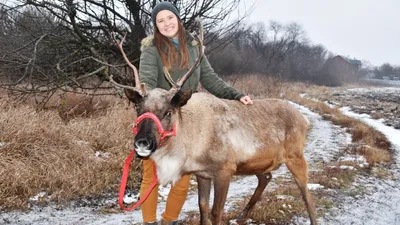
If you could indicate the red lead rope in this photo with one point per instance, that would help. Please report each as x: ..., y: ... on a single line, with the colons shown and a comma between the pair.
x: 125, y: 179
x: 128, y: 160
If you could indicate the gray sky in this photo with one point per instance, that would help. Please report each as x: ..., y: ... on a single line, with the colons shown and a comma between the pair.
x: 364, y: 29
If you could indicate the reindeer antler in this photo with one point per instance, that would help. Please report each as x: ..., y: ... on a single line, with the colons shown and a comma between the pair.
x: 137, y: 87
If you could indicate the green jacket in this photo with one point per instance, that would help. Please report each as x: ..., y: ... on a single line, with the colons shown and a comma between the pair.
x: 151, y: 72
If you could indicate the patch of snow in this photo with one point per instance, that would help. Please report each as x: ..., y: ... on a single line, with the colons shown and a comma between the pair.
x: 105, y: 155
x: 3, y: 144
x: 283, y: 197
x: 193, y: 182
x: 325, y: 140
x: 352, y: 158
x: 313, y: 187
x: 247, y: 222
x: 382, y: 205
x: 331, y: 104
x: 163, y: 192
x: 344, y: 167
x: 357, y: 159
x: 38, y: 196
x: 130, y: 198
x: 392, y: 134
x: 233, y: 222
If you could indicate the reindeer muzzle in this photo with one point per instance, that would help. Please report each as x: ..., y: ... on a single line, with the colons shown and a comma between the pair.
x: 163, y: 133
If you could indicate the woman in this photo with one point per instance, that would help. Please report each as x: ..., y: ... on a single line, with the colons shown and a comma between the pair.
x: 174, y: 49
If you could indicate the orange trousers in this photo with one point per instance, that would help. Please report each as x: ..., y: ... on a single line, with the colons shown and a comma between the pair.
x: 176, y: 197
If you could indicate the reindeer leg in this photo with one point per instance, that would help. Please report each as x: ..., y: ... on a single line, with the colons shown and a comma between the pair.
x: 204, y: 187
x: 263, y: 180
x: 298, y: 167
x: 221, y: 186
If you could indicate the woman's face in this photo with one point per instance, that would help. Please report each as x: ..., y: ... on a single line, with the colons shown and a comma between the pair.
x: 167, y: 23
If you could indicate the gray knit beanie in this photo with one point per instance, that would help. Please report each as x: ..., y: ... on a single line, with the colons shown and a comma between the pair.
x: 164, y: 6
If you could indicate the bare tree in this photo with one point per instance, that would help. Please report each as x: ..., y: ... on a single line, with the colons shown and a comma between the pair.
x: 264, y: 49
x: 49, y: 45
x: 305, y: 62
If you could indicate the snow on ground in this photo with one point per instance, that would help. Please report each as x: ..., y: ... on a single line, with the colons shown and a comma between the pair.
x: 388, y: 90
x: 383, y: 82
x: 380, y: 205
x: 324, y: 141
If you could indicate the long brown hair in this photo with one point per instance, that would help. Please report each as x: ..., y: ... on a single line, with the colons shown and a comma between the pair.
x: 167, y: 50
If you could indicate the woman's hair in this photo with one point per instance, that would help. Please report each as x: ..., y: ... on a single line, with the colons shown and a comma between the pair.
x: 167, y: 50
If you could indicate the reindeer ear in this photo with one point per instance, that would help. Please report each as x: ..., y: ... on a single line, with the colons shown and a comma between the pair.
x: 134, y: 96
x: 181, y: 98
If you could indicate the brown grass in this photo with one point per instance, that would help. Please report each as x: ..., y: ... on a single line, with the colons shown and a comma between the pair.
x: 371, y: 154
x: 277, y: 206
x: 259, y: 86
x: 75, y: 105
x: 42, y: 153
x: 361, y: 133
x: 332, y: 176
x: 55, y: 150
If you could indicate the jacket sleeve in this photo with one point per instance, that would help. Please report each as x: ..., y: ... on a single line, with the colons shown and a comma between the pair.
x: 214, y: 84
x: 148, y: 67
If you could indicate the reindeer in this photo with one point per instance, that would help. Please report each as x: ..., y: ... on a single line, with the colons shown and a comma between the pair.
x: 217, y: 138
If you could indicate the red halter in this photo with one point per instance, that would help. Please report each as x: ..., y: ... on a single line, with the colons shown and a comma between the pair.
x: 128, y: 160
x: 157, y: 122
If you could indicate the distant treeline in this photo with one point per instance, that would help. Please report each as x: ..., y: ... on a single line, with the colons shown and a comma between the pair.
x: 386, y: 71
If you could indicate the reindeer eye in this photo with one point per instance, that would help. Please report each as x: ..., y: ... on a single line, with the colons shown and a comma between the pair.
x: 168, y: 114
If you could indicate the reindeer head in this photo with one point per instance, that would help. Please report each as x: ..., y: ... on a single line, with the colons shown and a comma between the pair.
x: 158, y: 113
x: 157, y: 109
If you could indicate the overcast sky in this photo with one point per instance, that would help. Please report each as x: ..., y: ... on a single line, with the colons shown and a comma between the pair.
x: 363, y: 29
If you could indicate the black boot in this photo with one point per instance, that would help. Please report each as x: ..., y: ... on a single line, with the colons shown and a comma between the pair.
x: 165, y: 222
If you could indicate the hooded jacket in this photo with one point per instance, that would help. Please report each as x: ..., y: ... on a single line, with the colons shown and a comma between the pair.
x: 151, y: 71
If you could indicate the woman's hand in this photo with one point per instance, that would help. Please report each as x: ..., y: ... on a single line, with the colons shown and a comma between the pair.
x: 246, y: 100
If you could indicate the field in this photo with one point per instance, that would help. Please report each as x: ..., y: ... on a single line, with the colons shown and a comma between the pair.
x: 62, y: 165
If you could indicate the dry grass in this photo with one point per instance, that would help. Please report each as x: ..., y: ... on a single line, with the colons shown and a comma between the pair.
x: 378, y: 145
x: 74, y: 105
x: 55, y: 150
x: 332, y: 176
x: 273, y: 209
x: 42, y: 153
x: 277, y: 206
x: 69, y: 105
x: 372, y: 154
x: 259, y: 86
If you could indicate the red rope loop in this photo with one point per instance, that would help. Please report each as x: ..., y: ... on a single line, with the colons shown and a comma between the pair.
x: 128, y: 160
